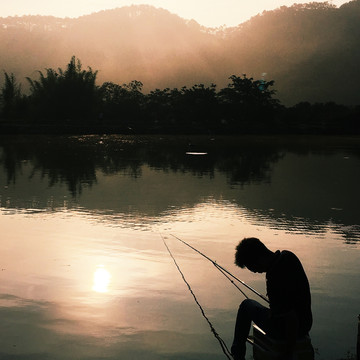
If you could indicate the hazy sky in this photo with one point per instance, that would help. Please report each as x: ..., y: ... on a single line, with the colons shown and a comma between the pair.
x: 205, y: 12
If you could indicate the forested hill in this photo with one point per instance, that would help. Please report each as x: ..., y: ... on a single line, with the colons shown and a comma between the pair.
x: 311, y: 51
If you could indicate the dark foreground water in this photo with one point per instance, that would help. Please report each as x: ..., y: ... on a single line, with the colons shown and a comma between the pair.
x: 84, y: 273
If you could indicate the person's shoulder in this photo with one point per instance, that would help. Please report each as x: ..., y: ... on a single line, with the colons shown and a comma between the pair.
x: 284, y: 260
x: 289, y: 257
x: 287, y: 253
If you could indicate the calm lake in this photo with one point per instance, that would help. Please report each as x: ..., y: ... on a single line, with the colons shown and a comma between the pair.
x: 85, y: 273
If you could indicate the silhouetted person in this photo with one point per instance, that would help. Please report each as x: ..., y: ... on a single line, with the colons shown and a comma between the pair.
x: 289, y: 316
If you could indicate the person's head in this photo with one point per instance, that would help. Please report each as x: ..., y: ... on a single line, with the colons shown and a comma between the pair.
x: 253, y: 254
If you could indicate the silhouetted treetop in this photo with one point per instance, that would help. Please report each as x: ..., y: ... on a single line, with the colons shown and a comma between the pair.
x: 65, y: 93
x: 11, y: 99
x: 70, y: 99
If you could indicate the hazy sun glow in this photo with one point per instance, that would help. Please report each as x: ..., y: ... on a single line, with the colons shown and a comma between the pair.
x: 206, y: 12
x: 101, y: 280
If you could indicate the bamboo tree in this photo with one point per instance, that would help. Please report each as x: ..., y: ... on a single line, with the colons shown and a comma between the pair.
x: 12, y: 100
x: 65, y: 94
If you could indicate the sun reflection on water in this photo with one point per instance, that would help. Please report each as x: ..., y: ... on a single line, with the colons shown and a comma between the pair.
x: 101, y: 280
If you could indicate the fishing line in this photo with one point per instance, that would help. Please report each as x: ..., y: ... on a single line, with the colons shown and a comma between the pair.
x: 217, y: 336
x: 224, y: 271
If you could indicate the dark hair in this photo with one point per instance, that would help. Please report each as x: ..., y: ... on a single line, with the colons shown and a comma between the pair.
x: 248, y: 250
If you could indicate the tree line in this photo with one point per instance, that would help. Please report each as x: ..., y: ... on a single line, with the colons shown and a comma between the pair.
x: 70, y: 100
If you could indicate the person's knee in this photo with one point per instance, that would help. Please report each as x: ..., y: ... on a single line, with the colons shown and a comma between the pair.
x: 246, y: 304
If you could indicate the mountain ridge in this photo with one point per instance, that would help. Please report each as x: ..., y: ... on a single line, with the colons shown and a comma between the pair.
x: 309, y: 50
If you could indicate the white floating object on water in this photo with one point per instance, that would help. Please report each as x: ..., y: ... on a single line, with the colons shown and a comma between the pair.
x: 195, y: 153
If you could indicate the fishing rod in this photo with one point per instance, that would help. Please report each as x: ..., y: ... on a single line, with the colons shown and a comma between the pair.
x: 223, y: 270
x: 222, y: 343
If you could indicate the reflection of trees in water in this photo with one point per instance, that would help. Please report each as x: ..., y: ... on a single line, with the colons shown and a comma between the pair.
x: 351, y: 233
x: 54, y: 158
x: 78, y: 161
x: 75, y: 160
x: 242, y: 169
x: 318, y: 227
x: 11, y: 164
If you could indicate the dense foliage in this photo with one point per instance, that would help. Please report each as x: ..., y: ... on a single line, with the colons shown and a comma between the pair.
x: 70, y: 100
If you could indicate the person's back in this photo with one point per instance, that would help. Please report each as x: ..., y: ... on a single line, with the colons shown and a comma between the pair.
x: 288, y: 289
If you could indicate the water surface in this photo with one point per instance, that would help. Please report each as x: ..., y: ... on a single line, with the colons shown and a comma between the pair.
x: 84, y: 270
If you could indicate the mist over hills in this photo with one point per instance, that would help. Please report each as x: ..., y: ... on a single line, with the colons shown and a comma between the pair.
x: 311, y: 51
